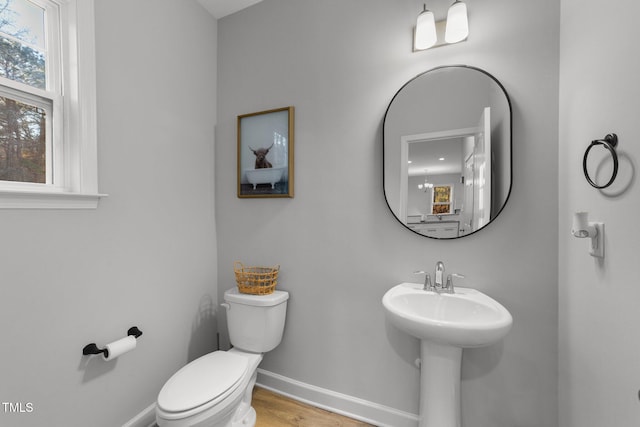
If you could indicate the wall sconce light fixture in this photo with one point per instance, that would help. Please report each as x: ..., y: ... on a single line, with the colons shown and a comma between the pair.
x: 428, y: 32
x: 457, y: 23
x: 425, y: 35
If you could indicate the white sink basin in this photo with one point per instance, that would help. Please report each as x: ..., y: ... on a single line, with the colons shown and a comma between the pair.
x: 467, y: 318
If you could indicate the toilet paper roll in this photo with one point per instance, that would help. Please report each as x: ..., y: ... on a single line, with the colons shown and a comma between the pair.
x: 120, y: 347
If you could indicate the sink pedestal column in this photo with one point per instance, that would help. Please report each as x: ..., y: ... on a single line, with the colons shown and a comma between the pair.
x: 439, y: 385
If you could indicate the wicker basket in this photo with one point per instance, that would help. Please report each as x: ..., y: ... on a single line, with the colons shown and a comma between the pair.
x: 256, y: 280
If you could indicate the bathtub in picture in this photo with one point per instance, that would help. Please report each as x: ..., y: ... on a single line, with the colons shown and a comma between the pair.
x: 265, y: 176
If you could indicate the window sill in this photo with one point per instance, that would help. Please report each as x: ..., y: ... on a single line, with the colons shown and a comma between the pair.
x: 48, y: 200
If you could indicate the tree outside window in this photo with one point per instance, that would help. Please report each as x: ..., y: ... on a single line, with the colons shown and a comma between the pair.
x: 23, y: 113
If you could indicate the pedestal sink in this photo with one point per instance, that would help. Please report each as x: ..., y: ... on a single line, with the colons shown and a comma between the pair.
x: 445, y: 324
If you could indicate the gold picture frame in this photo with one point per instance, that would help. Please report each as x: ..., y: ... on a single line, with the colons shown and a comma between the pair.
x: 265, y: 153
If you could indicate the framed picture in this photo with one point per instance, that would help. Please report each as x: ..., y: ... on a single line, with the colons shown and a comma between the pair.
x: 265, y: 153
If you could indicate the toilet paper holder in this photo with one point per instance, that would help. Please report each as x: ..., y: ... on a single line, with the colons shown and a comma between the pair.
x: 93, y: 348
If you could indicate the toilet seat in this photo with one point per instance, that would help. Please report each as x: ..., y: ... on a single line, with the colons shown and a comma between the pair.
x: 203, y: 382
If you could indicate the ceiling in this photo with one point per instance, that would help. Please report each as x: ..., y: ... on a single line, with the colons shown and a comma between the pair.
x: 426, y: 157
x: 222, y: 8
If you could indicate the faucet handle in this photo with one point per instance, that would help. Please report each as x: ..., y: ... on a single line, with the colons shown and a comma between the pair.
x: 449, y: 286
x: 427, y: 283
x: 427, y: 279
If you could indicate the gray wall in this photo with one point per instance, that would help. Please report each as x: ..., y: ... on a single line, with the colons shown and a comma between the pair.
x: 145, y: 257
x: 599, y: 94
x: 339, y: 63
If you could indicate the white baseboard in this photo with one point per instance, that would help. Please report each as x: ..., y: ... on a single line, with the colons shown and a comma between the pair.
x: 146, y: 418
x: 349, y: 406
x: 353, y: 407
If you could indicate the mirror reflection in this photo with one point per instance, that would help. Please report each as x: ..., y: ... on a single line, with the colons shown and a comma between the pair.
x: 447, y: 152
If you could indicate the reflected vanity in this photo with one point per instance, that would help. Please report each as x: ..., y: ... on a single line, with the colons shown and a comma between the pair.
x: 447, y: 152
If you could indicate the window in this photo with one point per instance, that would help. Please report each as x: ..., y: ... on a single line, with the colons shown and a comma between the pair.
x: 47, y: 104
x: 442, y: 200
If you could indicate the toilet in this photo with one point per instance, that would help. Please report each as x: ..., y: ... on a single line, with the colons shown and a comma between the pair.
x: 215, y: 390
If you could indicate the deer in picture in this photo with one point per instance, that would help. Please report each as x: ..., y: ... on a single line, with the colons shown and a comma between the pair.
x: 261, y: 157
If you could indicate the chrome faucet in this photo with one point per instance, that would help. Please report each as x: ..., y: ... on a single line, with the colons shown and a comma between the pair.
x: 438, y: 281
x: 439, y: 284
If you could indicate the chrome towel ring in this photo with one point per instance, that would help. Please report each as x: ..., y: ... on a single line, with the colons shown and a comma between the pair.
x: 609, y: 142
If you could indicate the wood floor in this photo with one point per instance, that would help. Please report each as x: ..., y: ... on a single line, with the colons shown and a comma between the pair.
x: 275, y: 410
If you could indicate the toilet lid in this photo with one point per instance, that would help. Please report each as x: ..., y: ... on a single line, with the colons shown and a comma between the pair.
x: 202, y: 380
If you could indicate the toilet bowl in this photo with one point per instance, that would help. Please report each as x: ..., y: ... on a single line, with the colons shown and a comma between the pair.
x: 215, y: 390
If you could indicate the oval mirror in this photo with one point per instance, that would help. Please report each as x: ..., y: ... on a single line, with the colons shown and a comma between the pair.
x: 447, y: 152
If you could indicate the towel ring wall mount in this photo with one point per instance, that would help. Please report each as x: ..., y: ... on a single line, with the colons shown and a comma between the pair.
x: 610, y: 142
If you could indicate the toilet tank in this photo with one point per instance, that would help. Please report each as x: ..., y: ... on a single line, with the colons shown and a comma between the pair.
x: 255, y: 322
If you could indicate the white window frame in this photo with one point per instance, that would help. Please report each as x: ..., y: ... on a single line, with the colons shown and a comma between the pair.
x: 75, y: 156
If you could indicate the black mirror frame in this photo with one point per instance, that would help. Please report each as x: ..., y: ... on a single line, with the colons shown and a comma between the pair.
x: 510, y: 148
